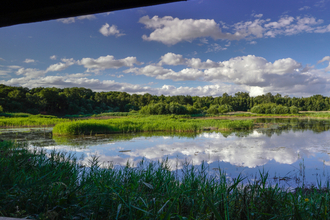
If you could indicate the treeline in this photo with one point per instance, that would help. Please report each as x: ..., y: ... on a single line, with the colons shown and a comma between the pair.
x: 85, y: 101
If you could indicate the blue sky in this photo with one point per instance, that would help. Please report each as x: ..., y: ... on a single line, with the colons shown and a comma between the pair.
x: 197, y: 47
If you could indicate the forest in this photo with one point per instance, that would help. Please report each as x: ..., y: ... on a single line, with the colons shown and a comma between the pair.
x: 85, y: 101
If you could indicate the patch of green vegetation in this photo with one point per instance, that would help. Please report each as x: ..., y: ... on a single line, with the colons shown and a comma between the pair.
x: 57, y: 186
x: 22, y: 119
x: 272, y: 108
x: 147, y: 123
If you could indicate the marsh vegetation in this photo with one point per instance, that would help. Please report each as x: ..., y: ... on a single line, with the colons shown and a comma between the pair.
x: 56, y: 186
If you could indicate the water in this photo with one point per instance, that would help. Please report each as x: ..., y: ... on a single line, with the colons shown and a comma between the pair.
x: 292, y: 151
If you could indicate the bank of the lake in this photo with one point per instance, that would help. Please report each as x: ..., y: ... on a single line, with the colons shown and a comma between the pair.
x: 147, y: 123
x: 56, y: 186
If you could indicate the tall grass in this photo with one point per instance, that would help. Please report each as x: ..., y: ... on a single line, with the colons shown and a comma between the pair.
x: 56, y: 186
x: 149, y: 123
x: 29, y: 120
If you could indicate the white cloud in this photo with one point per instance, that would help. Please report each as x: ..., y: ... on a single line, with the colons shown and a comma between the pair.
x: 117, y: 76
x: 215, y: 48
x: 258, y: 15
x: 204, y: 41
x: 29, y: 61
x: 170, y: 31
x: 61, y: 66
x: 253, y: 42
x: 14, y: 67
x: 177, y: 59
x: 30, y: 73
x: 172, y: 59
x: 322, y: 29
x: 53, y: 57
x: 89, y: 17
x: 256, y: 90
x: 326, y: 58
x: 67, y: 20
x: 251, y: 73
x: 2, y: 59
x: 290, y: 26
x: 73, y: 19
x: 4, y: 72
x: 304, y: 8
x: 107, y: 62
x: 108, y: 30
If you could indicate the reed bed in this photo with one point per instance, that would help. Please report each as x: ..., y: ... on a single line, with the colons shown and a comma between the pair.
x: 30, y: 121
x: 37, y: 185
x: 149, y: 123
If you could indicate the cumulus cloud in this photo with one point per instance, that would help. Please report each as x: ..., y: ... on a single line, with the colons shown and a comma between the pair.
x: 250, y: 70
x: 61, y: 66
x: 29, y: 61
x: 170, y: 31
x: 177, y: 59
x: 108, y: 30
x: 161, y: 73
x: 252, y: 73
x: 107, y: 62
x: 53, y: 57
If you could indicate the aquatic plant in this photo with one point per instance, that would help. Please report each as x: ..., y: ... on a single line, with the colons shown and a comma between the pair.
x: 57, y: 186
x: 147, y: 123
x: 21, y: 119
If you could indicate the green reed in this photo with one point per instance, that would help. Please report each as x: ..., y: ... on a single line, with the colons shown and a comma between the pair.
x: 57, y: 186
x: 30, y: 120
x: 148, y: 123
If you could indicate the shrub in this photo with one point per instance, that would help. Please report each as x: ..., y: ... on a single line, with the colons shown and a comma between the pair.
x: 214, y: 109
x: 272, y: 108
x: 294, y: 110
x: 225, y: 108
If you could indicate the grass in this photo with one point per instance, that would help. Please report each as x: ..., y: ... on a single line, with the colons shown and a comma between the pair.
x: 147, y: 123
x: 22, y: 119
x: 56, y: 186
x: 26, y: 119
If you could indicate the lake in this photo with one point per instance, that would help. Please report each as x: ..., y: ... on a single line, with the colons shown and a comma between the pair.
x: 292, y: 151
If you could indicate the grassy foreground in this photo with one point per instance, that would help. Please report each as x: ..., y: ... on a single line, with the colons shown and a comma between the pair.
x: 56, y: 186
x: 147, y: 123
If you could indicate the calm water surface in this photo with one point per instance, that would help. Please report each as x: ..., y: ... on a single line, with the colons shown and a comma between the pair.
x: 296, y: 149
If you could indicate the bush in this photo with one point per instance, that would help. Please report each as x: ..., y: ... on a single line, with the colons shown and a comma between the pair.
x: 213, y: 110
x: 294, y: 110
x: 1, y: 109
x: 163, y: 109
x: 272, y: 108
x: 225, y: 108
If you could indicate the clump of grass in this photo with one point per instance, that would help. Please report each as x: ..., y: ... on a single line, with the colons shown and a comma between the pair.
x: 147, y: 123
x: 57, y: 186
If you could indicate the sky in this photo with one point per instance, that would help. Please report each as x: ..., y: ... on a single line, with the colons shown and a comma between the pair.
x: 194, y: 47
